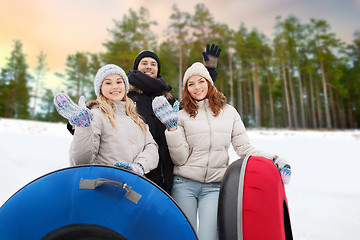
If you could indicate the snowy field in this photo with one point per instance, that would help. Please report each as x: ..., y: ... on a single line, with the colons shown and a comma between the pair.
x: 323, y: 195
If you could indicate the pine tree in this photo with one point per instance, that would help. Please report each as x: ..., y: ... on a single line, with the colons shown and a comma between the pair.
x: 40, y: 71
x: 130, y: 35
x: 179, y: 29
x: 78, y: 77
x: 14, y: 92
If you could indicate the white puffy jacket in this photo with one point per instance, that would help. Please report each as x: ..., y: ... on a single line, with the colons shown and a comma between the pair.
x: 199, y: 147
x: 102, y: 144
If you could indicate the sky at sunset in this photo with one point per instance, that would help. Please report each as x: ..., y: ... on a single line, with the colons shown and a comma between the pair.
x: 63, y: 27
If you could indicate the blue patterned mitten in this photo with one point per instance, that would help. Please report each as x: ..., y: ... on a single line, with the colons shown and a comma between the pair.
x: 134, y: 167
x: 284, y: 169
x: 78, y: 115
x: 167, y: 114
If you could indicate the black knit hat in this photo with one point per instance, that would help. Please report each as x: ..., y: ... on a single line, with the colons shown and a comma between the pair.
x: 146, y: 53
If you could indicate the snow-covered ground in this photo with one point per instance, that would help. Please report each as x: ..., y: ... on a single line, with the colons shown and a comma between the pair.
x: 323, y: 195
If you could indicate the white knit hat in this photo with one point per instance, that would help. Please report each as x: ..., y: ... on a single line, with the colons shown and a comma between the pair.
x: 197, y: 68
x: 107, y: 70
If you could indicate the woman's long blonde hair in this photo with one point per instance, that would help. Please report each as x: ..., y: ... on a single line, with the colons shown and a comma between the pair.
x: 108, y: 107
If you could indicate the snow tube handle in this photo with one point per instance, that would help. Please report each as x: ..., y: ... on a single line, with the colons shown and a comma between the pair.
x: 94, y: 183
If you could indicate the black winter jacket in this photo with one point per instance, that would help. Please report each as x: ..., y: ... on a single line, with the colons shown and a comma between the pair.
x: 143, y: 89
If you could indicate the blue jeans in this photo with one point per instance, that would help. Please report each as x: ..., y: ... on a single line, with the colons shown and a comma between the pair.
x: 198, y: 199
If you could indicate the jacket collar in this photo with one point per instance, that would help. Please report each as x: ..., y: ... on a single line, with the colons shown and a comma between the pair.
x: 203, y: 103
x: 120, y: 107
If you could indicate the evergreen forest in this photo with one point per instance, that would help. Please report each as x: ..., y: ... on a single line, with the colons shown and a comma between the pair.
x: 301, y: 77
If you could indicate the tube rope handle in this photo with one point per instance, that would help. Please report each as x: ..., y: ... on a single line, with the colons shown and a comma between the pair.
x: 94, y: 183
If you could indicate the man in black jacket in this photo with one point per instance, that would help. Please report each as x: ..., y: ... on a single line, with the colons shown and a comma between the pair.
x: 146, y: 83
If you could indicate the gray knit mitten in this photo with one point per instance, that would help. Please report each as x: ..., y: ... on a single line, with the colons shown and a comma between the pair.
x: 78, y: 115
x: 163, y: 110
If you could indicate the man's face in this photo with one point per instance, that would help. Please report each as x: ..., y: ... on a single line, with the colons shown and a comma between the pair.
x: 148, y: 66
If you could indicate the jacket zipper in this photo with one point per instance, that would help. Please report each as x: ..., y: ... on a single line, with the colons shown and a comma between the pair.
x: 207, y: 165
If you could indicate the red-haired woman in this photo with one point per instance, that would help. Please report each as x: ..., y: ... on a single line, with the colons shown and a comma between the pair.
x: 198, y: 138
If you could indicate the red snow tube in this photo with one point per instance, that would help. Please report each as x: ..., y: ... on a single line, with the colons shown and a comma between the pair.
x: 252, y: 202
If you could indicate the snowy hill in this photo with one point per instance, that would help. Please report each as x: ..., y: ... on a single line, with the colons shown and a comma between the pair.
x: 323, y: 195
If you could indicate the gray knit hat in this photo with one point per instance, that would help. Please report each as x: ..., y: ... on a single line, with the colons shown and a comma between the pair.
x: 197, y: 68
x: 107, y: 70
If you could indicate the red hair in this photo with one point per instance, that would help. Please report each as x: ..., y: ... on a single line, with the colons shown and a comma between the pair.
x: 217, y: 101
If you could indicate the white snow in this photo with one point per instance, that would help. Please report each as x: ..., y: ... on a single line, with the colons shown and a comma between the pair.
x: 323, y: 194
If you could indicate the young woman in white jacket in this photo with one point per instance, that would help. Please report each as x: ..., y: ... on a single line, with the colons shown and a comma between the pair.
x: 198, y: 138
x: 111, y: 132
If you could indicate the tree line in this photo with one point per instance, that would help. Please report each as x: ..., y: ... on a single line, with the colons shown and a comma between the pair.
x: 302, y: 77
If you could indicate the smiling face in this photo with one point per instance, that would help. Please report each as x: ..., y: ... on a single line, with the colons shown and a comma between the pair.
x: 148, y: 66
x: 113, y: 87
x: 197, y: 87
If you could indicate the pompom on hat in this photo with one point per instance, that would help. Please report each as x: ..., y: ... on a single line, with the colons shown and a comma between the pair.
x: 197, y: 68
x: 144, y: 54
x: 107, y: 70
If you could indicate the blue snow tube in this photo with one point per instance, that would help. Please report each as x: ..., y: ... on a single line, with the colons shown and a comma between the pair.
x: 92, y: 202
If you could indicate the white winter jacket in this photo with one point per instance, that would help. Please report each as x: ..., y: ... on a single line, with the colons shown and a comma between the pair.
x: 199, y: 147
x: 102, y: 144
